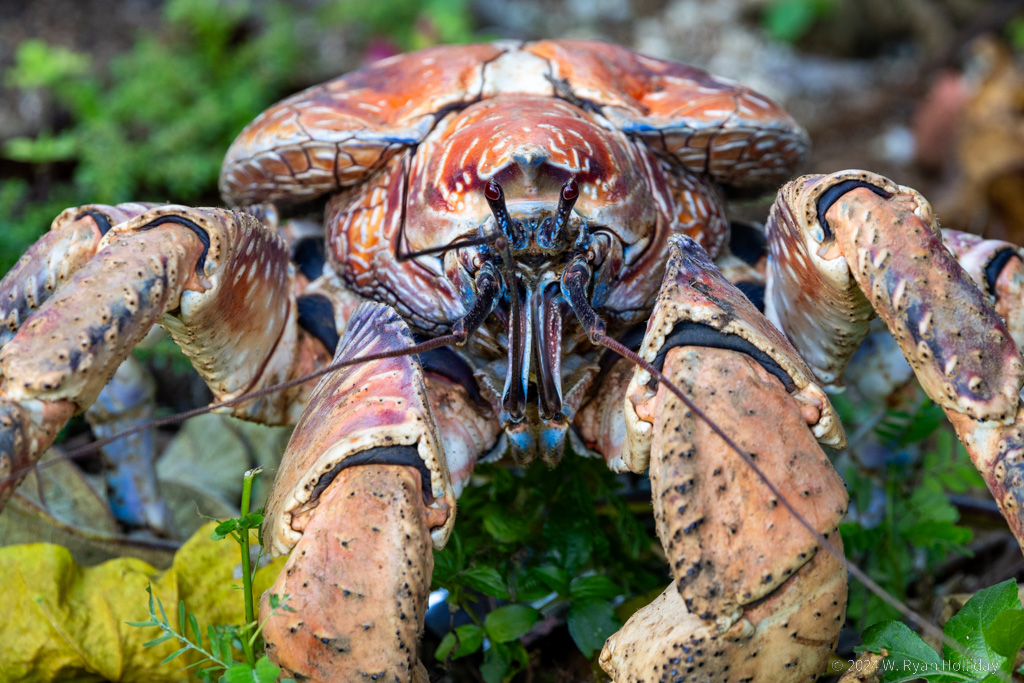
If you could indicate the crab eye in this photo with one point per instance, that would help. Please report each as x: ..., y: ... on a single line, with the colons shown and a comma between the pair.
x: 570, y: 191
x: 492, y: 191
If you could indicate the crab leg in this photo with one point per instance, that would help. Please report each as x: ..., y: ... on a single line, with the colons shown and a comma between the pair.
x: 72, y: 240
x: 746, y: 570
x: 126, y: 401
x: 363, y: 486
x: 997, y: 267
x: 853, y: 244
x: 753, y: 596
x: 218, y: 280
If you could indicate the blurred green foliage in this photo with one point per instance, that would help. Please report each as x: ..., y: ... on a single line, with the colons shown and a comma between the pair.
x: 788, y: 21
x: 156, y: 125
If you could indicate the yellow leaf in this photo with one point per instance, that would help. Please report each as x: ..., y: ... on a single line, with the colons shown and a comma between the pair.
x: 65, y: 622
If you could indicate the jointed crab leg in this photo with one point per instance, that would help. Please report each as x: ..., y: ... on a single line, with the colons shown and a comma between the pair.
x: 848, y: 245
x: 363, y: 485
x: 72, y: 240
x: 997, y: 267
x: 218, y: 280
x: 745, y: 567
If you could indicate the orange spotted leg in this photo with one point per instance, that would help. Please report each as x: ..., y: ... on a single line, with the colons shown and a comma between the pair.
x: 219, y: 281
x: 753, y: 593
x: 362, y: 492
x: 754, y: 597
x: 850, y: 245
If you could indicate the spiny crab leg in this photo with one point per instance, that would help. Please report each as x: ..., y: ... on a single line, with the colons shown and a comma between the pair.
x: 997, y: 267
x: 846, y: 246
x: 754, y: 595
x: 745, y: 567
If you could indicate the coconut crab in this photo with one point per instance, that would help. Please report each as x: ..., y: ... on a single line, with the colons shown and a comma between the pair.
x: 528, y: 243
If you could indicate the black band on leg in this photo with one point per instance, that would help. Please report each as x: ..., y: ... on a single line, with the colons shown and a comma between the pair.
x: 692, y: 334
x: 996, y: 265
x: 832, y: 195
x: 203, y: 236
x: 316, y: 316
x: 696, y: 334
x: 406, y: 456
x: 102, y: 221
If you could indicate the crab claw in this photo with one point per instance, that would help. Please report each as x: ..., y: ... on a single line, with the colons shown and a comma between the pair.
x: 362, y: 490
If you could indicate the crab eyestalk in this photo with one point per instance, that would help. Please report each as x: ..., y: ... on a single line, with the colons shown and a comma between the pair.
x: 554, y: 233
x: 513, y: 229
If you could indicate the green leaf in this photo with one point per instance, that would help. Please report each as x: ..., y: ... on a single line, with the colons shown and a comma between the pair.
x: 505, y: 528
x: 156, y: 641
x: 910, y: 658
x: 468, y: 638
x: 223, y: 529
x: 509, y: 622
x: 240, y: 673
x: 175, y: 655
x: 445, y: 565
x: 497, y: 660
x: 593, y: 587
x: 487, y: 580
x: 197, y: 635
x: 266, y: 671
x: 967, y: 627
x: 211, y: 634
x: 1005, y: 635
x: 555, y: 578
x: 789, y: 20
x: 591, y: 622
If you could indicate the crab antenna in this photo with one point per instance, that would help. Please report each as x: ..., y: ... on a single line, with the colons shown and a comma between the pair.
x: 457, y: 244
x: 574, y: 281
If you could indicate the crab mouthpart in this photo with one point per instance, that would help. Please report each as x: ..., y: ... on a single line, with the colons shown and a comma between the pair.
x: 534, y: 374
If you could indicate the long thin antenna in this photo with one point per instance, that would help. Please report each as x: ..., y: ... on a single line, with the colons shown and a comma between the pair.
x: 81, y: 451
x: 457, y: 244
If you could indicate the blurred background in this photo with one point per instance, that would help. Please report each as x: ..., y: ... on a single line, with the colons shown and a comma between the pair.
x: 105, y: 101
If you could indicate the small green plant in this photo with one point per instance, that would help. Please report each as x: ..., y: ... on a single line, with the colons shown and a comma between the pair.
x: 989, y: 630
x: 903, y: 523
x: 217, y: 650
x: 548, y: 542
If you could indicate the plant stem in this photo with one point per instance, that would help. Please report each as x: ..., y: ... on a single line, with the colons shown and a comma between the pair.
x: 243, y: 542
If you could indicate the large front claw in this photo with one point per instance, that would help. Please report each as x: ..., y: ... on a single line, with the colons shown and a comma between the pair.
x: 752, y: 587
x: 849, y: 245
x: 755, y: 598
x: 362, y: 487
